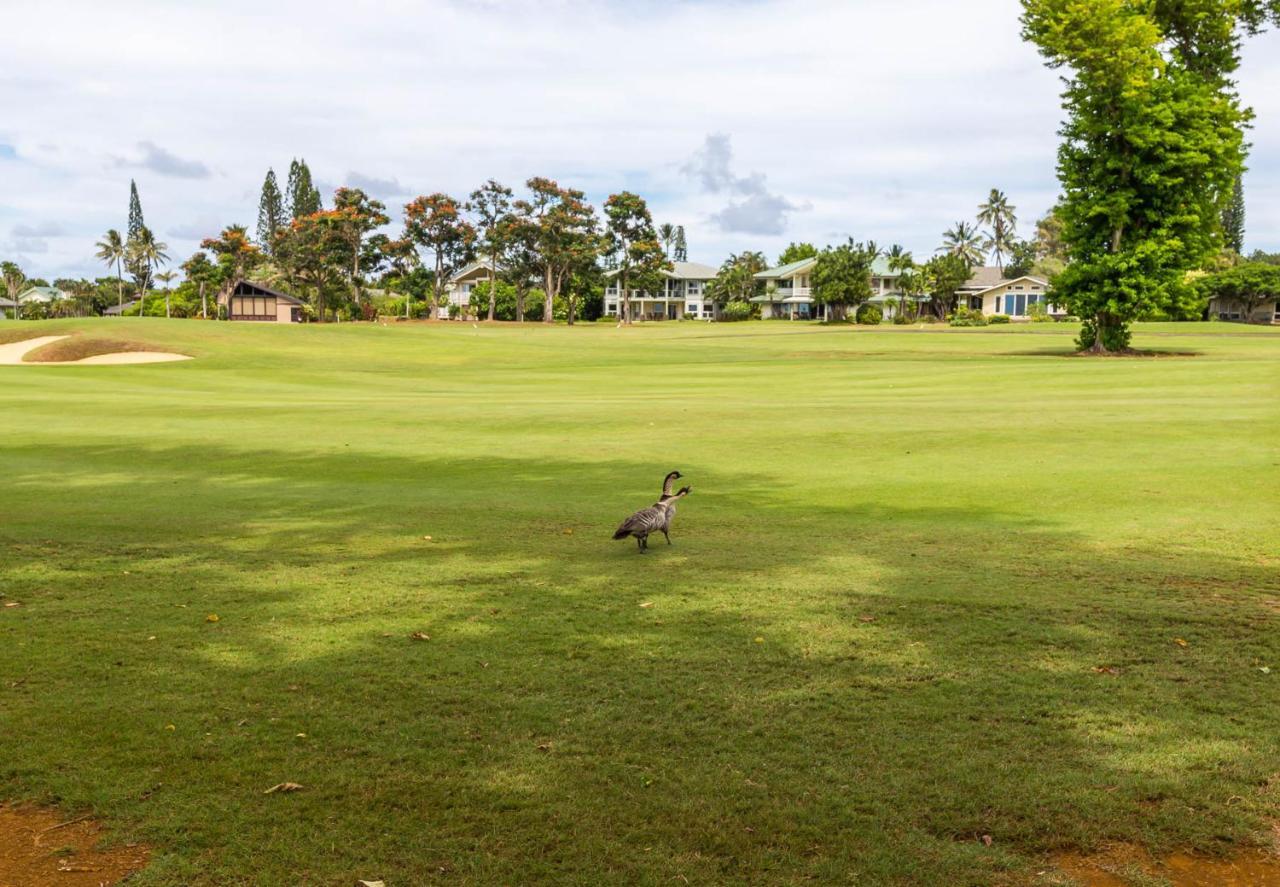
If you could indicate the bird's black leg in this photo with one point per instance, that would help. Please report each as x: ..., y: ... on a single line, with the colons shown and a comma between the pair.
x: 640, y: 544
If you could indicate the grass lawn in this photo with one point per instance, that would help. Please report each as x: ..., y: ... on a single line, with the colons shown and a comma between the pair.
x: 929, y: 586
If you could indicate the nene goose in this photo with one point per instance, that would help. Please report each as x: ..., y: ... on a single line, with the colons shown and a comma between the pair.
x: 654, y: 519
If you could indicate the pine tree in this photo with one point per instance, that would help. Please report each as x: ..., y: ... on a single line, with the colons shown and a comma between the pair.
x: 135, y: 212
x: 271, y: 217
x: 304, y: 197
x: 1233, y: 219
x: 681, y: 248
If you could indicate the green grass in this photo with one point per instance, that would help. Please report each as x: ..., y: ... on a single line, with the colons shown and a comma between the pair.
x: 873, y: 642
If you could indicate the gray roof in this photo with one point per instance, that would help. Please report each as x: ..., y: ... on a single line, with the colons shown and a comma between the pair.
x: 692, y: 271
x: 879, y: 268
x: 985, y: 277
x: 117, y: 308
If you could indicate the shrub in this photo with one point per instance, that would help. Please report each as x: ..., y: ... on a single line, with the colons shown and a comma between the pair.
x: 998, y: 318
x: 964, y: 316
x: 1038, y: 312
x: 902, y: 320
x: 733, y: 311
x: 870, y: 314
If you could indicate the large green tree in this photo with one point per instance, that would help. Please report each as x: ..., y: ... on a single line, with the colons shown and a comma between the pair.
x: 1151, y: 146
x: 271, y: 213
x: 1002, y: 223
x: 204, y: 274
x: 563, y: 232
x: 434, y: 223
x: 237, y: 255
x: 680, y: 248
x: 358, y: 216
x: 796, y: 252
x: 630, y: 236
x: 303, y: 196
x: 842, y: 277
x: 1250, y: 284
x: 942, y: 277
x: 136, y: 223
x: 1233, y: 219
x: 491, y: 204
x: 317, y: 249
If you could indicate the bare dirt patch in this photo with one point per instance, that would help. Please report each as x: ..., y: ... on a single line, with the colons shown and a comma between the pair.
x: 39, y: 846
x: 1124, y: 865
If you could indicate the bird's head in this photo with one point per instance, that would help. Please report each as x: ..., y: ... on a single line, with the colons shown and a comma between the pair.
x: 675, y: 475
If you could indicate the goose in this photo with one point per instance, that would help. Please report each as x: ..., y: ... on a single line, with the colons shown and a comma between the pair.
x: 654, y: 519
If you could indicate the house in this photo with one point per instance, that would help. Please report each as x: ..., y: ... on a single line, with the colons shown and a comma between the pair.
x: 683, y: 295
x: 1231, y: 308
x: 43, y: 294
x: 788, y: 291
x: 457, y: 292
x: 253, y: 301
x: 990, y: 292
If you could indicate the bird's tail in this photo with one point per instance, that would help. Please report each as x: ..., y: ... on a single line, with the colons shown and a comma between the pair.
x: 621, y: 533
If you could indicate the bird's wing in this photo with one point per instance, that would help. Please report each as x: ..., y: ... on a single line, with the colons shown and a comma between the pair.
x: 646, y: 520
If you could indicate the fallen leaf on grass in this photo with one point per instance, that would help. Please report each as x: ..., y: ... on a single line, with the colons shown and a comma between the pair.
x: 759, y: 640
x: 371, y: 884
x: 12, y: 604
x: 427, y: 538
x: 646, y: 605
x: 1105, y: 669
x: 568, y: 532
x: 986, y: 839
x: 283, y: 787
x: 212, y: 617
x: 866, y: 619
x: 1264, y: 669
x: 544, y: 746
x: 419, y: 636
x: 1180, y: 642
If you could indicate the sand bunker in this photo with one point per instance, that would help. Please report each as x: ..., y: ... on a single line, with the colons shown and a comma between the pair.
x: 1124, y: 865
x: 40, y: 847
x: 13, y: 353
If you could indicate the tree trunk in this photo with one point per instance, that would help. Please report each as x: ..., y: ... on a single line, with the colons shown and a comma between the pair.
x: 626, y: 298
x: 204, y: 303
x: 520, y: 294
x: 167, y: 315
x: 548, y: 315
x: 493, y: 288
x: 408, y: 297
x: 120, y: 287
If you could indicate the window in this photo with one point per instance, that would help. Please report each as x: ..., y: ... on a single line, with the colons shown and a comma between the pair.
x: 611, y: 308
x: 691, y: 308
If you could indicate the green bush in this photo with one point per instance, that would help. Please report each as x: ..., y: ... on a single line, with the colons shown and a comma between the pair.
x: 964, y: 316
x: 870, y: 315
x: 999, y: 318
x: 902, y: 320
x: 1038, y: 312
x: 733, y: 311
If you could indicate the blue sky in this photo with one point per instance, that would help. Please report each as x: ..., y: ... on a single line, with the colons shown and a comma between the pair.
x: 751, y: 123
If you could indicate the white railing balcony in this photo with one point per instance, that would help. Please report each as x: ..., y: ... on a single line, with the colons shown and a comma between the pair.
x: 787, y: 292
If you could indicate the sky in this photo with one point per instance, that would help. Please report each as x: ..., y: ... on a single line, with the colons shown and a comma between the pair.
x: 753, y: 123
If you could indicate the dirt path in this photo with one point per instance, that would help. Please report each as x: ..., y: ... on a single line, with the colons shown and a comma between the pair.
x: 39, y: 847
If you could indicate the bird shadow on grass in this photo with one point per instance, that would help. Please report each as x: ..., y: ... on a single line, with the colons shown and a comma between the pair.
x: 863, y: 688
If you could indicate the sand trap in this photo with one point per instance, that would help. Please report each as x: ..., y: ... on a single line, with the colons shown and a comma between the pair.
x: 12, y: 354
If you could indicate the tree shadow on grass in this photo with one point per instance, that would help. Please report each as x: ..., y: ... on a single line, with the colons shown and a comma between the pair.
x: 829, y: 691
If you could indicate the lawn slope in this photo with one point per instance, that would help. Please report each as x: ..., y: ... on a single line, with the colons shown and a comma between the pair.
x: 929, y: 586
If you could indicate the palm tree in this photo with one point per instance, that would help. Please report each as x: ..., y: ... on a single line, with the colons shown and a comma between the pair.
x: 999, y: 215
x: 965, y: 241
x: 166, y: 277
x: 145, y: 254
x: 14, y: 280
x: 899, y: 257
x: 667, y: 234
x: 112, y: 251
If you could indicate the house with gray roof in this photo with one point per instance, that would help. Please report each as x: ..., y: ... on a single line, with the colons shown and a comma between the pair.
x: 990, y: 292
x: 683, y: 295
x: 788, y: 290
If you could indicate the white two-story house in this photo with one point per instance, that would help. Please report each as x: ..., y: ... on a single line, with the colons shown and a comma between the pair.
x: 788, y: 290
x: 683, y: 295
x: 990, y: 292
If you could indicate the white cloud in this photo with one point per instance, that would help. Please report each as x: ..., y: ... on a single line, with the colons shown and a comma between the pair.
x: 886, y: 119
